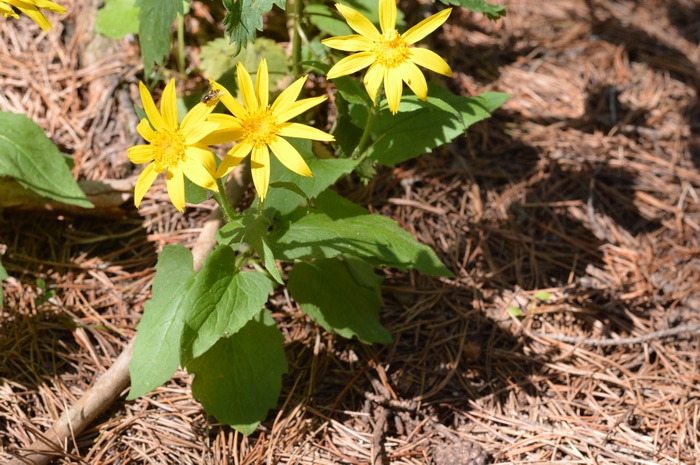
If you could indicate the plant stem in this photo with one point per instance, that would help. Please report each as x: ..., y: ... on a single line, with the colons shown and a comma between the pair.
x: 220, y: 197
x: 181, y: 43
x: 295, y: 17
x: 360, y: 152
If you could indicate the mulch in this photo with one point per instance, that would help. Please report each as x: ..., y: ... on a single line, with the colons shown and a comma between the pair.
x: 584, y: 186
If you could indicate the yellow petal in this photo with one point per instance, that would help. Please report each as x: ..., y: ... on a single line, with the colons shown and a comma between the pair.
x: 262, y: 84
x: 302, y: 131
x: 260, y: 170
x: 425, y: 27
x: 37, y: 16
x: 358, y: 22
x: 431, y: 60
x: 144, y: 182
x: 373, y: 80
x: 203, y: 157
x: 387, y: 15
x: 233, y: 158
x: 288, y: 155
x: 196, y: 132
x: 229, y: 102
x: 196, y: 115
x: 288, y: 96
x: 6, y: 11
x: 168, y: 105
x: 393, y: 87
x: 175, y: 182
x: 139, y: 154
x: 48, y: 5
x: 245, y: 85
x: 352, y: 43
x: 145, y: 130
x: 199, y: 175
x: 297, y: 108
x: 351, y: 64
x: 415, y: 79
x: 150, y: 108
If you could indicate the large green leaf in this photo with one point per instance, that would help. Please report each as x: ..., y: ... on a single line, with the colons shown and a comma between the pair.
x: 493, y: 12
x: 117, y: 18
x: 220, y: 302
x: 155, y: 20
x: 342, y: 296
x: 244, y: 18
x: 157, y: 347
x: 324, y: 232
x: 240, y: 378
x: 33, y: 160
x: 421, y: 126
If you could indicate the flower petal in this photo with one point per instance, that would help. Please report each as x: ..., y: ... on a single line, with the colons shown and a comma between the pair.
x: 199, y: 175
x: 288, y: 96
x: 260, y: 169
x: 229, y: 102
x: 233, y: 158
x: 297, y: 108
x: 203, y: 157
x: 425, y: 27
x: 168, y: 105
x: 144, y: 182
x: 49, y: 5
x: 150, y: 108
x: 229, y: 130
x: 358, y: 22
x: 139, y: 154
x: 145, y: 130
x: 262, y: 84
x: 245, y: 85
x: 175, y: 181
x: 431, y: 60
x: 195, y: 133
x: 393, y: 88
x: 37, y: 16
x: 7, y: 12
x: 373, y: 80
x: 415, y: 79
x: 288, y: 155
x: 351, y: 64
x: 196, y: 115
x: 387, y: 15
x: 351, y: 43
x: 302, y: 131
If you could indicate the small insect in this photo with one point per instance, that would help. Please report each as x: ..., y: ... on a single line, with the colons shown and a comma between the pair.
x: 211, y: 95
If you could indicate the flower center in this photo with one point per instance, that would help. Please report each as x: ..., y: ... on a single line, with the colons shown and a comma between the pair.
x: 391, y: 50
x: 260, y: 127
x: 169, y: 148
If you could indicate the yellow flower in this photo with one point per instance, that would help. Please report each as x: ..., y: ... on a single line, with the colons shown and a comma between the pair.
x: 174, y: 149
x: 31, y: 8
x: 260, y: 128
x: 389, y: 55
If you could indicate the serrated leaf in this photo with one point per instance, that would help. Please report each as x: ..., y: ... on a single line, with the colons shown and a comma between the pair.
x: 378, y: 240
x: 421, y: 126
x: 240, y: 378
x: 155, y: 20
x: 245, y: 17
x: 220, y: 302
x: 28, y: 156
x: 342, y: 296
x: 492, y: 12
x: 157, y: 346
x: 117, y: 18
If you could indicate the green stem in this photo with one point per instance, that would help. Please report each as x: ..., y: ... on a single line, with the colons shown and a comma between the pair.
x: 297, y: 7
x: 181, y: 43
x: 360, y: 152
x: 220, y: 197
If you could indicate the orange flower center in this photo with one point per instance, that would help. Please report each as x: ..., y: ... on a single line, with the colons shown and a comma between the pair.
x: 169, y: 149
x: 391, y: 50
x: 260, y: 128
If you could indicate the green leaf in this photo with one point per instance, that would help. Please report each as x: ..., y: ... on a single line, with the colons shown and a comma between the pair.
x: 342, y: 296
x: 324, y: 233
x: 3, y: 276
x: 419, y: 127
x: 117, y: 18
x: 492, y: 12
x: 155, y: 20
x: 220, y: 302
x: 219, y: 62
x: 541, y: 295
x: 240, y: 378
x: 327, y: 20
x: 33, y: 160
x: 157, y: 347
x: 245, y: 17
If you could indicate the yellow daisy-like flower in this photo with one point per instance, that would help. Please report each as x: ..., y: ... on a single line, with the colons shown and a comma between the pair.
x: 31, y: 8
x: 389, y: 55
x: 260, y: 128
x: 175, y: 149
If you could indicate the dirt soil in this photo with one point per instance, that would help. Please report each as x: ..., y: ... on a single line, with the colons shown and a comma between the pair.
x: 584, y: 186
